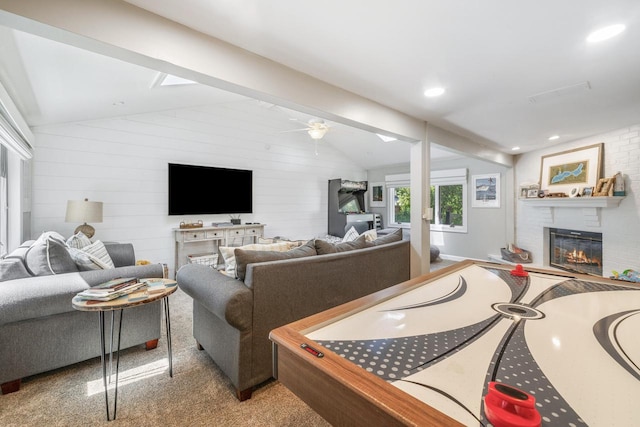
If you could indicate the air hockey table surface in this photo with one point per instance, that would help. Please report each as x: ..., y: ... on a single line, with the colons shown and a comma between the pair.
x: 423, y: 352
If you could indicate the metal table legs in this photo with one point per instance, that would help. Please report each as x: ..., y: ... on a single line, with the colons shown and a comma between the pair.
x: 103, y: 354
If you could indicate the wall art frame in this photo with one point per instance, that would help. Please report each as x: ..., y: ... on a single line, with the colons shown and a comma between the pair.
x: 377, y: 196
x: 486, y: 191
x: 560, y: 172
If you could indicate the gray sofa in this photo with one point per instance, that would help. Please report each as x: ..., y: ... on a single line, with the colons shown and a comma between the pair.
x: 232, y: 318
x: 41, y: 331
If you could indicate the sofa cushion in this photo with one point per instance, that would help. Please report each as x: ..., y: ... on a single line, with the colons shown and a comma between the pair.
x: 245, y: 257
x: 12, y: 268
x: 78, y: 240
x: 21, y: 251
x: 49, y: 255
x: 323, y: 247
x: 394, y: 236
x: 83, y: 260
x: 228, y: 252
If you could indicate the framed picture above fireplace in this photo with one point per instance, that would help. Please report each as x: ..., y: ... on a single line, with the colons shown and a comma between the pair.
x: 579, y: 167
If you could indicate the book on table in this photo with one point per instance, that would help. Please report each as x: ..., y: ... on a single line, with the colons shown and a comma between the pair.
x: 107, y: 294
x: 112, y: 285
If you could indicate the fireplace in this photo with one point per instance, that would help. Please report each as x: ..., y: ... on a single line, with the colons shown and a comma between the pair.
x: 576, y: 251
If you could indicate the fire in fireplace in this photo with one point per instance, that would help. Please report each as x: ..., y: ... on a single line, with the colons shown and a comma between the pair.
x: 576, y: 251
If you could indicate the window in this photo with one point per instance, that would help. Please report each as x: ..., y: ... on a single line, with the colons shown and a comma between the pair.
x: 449, y: 200
x: 399, y: 196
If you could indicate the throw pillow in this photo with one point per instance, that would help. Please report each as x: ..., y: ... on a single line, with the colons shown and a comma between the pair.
x: 99, y: 255
x: 351, y: 235
x: 246, y: 257
x: 394, y: 236
x: 228, y: 252
x: 323, y: 247
x: 370, y: 235
x: 83, y: 260
x: 12, y: 268
x: 78, y: 240
x: 49, y: 255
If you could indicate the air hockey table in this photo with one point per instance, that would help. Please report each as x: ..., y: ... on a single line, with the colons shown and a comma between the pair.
x: 424, y: 352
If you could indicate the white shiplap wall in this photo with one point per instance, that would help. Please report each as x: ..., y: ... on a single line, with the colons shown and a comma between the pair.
x: 620, y: 226
x: 123, y: 161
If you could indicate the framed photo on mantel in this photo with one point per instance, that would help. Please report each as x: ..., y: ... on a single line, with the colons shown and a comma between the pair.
x: 580, y: 167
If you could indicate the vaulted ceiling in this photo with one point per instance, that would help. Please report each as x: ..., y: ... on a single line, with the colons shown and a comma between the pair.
x: 514, y: 73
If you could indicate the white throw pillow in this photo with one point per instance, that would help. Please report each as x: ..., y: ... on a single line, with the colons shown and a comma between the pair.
x: 99, y: 255
x: 228, y: 252
x: 351, y: 235
x: 370, y: 235
x: 83, y: 260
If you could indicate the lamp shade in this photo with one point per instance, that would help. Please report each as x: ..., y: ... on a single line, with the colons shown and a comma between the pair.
x: 83, y: 211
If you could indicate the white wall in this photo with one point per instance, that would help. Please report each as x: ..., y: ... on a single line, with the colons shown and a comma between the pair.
x: 123, y: 163
x: 620, y: 226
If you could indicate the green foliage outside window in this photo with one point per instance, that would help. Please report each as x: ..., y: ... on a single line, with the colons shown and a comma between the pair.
x: 451, y: 204
x: 403, y: 204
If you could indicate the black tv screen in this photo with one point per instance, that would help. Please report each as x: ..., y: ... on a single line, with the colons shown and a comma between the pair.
x: 193, y: 190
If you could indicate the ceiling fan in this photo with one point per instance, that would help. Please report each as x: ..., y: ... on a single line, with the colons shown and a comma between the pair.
x: 316, y: 128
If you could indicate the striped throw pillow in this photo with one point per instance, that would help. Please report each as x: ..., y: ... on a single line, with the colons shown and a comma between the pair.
x: 99, y: 255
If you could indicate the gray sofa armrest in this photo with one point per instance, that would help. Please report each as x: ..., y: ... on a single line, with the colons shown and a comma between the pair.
x: 122, y: 254
x: 226, y: 297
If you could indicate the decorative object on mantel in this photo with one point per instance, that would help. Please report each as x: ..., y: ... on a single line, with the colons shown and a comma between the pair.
x: 604, y: 187
x: 84, y: 211
x: 235, y: 219
x: 587, y: 192
x: 554, y: 194
x: 560, y: 172
x: 191, y: 224
x: 618, y: 186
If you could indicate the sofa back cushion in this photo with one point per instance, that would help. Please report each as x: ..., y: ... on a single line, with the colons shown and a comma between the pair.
x: 49, y: 255
x: 245, y: 257
x: 229, y: 255
x: 323, y: 247
x: 394, y: 236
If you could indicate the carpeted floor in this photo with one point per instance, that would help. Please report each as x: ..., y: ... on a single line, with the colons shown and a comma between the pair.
x: 197, y: 395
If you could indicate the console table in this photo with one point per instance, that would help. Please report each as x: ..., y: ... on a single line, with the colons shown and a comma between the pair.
x: 191, y: 241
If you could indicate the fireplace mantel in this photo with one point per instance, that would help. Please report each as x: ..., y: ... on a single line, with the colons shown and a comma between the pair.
x: 575, y: 202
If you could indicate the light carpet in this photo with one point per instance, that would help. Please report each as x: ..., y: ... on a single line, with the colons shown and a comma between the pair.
x: 198, y: 394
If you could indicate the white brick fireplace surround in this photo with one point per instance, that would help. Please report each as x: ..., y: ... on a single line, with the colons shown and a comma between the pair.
x: 618, y: 223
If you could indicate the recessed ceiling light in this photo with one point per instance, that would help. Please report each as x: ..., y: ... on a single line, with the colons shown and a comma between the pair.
x: 554, y: 137
x: 515, y: 148
x: 433, y: 92
x: 605, y: 33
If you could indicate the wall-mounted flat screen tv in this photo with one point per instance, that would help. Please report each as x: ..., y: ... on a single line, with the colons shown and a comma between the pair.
x: 195, y: 190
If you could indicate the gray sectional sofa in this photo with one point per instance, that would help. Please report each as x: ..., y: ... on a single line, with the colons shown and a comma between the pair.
x: 40, y: 330
x: 232, y: 317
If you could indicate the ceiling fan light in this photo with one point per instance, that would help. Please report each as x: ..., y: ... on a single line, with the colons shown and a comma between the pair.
x: 317, y: 133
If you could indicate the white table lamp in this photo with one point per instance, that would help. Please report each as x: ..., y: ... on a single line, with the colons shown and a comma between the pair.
x: 84, y: 211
